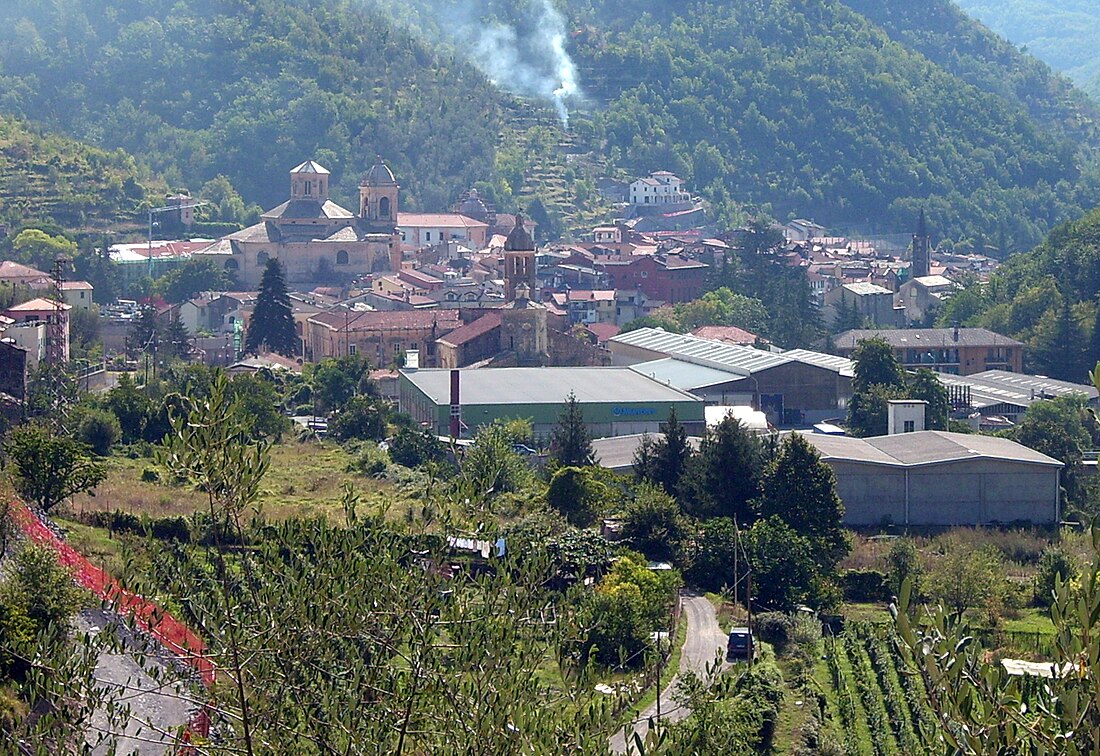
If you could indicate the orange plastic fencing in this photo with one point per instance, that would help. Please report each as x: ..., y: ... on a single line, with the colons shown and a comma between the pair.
x: 169, y: 631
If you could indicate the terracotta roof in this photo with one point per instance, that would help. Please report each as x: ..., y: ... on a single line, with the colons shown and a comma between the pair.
x: 437, y: 220
x: 603, y: 331
x: 467, y: 333
x: 76, y: 286
x: 728, y: 334
x: 12, y: 270
x: 38, y: 305
x: 585, y: 295
x: 380, y: 320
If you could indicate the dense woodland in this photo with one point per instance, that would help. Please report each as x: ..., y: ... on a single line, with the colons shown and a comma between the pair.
x: 1060, y: 32
x: 856, y: 114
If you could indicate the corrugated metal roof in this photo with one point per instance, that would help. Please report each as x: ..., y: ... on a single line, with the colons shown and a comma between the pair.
x: 925, y: 448
x: 994, y: 387
x: 841, y: 365
x: 550, y: 385
x: 732, y: 357
x: 686, y: 375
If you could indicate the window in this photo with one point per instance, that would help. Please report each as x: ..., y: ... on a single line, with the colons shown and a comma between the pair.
x: 321, y: 187
x: 427, y: 236
x: 352, y: 348
x: 342, y: 257
x: 909, y: 426
x: 384, y: 207
x: 309, y: 188
x: 232, y: 265
x: 261, y: 258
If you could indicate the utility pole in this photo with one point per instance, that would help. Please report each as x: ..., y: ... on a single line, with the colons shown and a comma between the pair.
x: 166, y: 209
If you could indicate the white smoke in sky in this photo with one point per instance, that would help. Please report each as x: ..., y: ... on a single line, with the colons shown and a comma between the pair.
x: 527, y: 59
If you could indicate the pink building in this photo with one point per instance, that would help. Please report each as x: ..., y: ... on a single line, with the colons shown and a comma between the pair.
x: 46, y: 311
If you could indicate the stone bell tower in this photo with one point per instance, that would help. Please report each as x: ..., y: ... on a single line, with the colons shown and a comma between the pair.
x: 378, y: 194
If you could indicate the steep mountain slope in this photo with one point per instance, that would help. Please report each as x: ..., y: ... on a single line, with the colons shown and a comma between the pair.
x: 58, y: 181
x: 815, y: 109
x: 247, y: 88
x: 1061, y: 33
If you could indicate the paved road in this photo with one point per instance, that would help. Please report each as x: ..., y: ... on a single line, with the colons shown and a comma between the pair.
x: 704, y: 640
x: 158, y: 708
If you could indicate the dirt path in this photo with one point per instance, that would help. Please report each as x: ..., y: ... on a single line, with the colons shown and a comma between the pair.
x: 704, y: 641
x: 159, y: 703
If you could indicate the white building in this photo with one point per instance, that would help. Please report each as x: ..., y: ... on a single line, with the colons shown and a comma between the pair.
x: 78, y: 294
x: 660, y: 188
x: 419, y: 230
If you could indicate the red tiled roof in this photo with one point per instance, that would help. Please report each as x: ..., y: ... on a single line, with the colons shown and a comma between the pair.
x: 603, y: 331
x: 728, y: 334
x: 39, y: 305
x: 10, y: 269
x: 380, y: 320
x: 467, y: 333
x: 437, y: 220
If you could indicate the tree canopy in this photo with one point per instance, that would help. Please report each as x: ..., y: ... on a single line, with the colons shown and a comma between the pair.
x: 272, y: 324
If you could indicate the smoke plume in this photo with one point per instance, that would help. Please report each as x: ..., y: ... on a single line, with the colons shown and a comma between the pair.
x: 524, y: 54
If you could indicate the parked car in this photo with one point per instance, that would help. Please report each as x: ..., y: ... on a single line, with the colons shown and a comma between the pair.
x: 523, y: 450
x: 740, y: 644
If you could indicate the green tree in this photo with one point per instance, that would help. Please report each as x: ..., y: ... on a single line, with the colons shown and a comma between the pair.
x: 576, y: 494
x: 724, y: 477
x: 47, y: 468
x: 131, y: 406
x: 571, y: 443
x: 876, y: 365
x: 272, y: 324
x: 45, y: 588
x: 924, y: 385
x: 654, y: 525
x: 967, y: 577
x: 190, y: 279
x: 1056, y: 565
x: 800, y: 489
x: 784, y: 570
x: 38, y: 249
x: 412, y: 447
x: 904, y: 564
x: 362, y: 418
x: 664, y: 461
x: 1061, y: 349
x: 868, y: 410
x: 99, y: 430
x: 714, y: 554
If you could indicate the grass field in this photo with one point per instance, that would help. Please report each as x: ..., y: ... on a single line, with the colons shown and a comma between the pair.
x: 304, y: 480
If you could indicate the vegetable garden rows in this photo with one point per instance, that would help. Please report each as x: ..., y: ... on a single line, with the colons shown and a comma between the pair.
x: 880, y: 701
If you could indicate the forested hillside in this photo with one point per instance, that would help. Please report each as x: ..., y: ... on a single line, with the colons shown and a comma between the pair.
x: 857, y: 114
x: 815, y: 109
x: 249, y: 88
x: 1059, y: 32
x: 1048, y: 298
x: 55, y: 180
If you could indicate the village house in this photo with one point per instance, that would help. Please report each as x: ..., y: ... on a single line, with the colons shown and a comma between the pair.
x: 670, y: 279
x: 78, y: 294
x: 922, y: 298
x: 419, y: 230
x: 383, y: 337
x: 659, y: 188
x: 959, y: 351
x: 873, y: 304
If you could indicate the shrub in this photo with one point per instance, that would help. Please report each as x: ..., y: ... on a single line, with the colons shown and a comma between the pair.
x: 576, y: 495
x: 864, y: 585
x: 100, y: 430
x: 773, y: 628
x: 1053, y: 562
x: 149, y: 475
x: 412, y: 447
x: 904, y: 563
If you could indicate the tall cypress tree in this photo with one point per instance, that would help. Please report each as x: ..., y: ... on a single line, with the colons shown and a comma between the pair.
x: 272, y: 324
x: 571, y: 441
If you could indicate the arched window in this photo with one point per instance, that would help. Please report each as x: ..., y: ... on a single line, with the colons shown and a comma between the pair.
x: 261, y: 258
x: 384, y: 207
x: 232, y: 265
x: 342, y: 257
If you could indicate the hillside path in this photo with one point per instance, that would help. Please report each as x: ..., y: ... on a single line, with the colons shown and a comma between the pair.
x: 705, y: 640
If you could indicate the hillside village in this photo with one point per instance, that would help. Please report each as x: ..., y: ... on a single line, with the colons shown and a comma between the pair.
x: 561, y: 426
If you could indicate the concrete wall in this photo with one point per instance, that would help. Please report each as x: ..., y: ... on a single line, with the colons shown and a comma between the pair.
x: 968, y: 492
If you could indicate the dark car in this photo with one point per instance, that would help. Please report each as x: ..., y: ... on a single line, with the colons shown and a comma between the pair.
x: 740, y: 645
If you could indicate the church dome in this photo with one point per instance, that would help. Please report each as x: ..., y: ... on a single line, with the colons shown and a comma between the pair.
x: 379, y: 175
x: 474, y: 207
x: 519, y: 240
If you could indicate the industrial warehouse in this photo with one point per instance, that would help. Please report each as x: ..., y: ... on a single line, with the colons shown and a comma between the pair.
x: 616, y: 401
x: 936, y: 478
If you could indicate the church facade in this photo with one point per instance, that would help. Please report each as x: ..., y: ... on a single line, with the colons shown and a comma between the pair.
x: 316, y: 240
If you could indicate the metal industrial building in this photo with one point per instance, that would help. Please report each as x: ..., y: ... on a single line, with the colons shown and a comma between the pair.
x: 791, y: 388
x: 616, y: 401
x: 1008, y: 395
x: 936, y: 478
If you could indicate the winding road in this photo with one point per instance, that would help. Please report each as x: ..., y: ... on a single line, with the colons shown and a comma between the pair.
x: 705, y: 641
